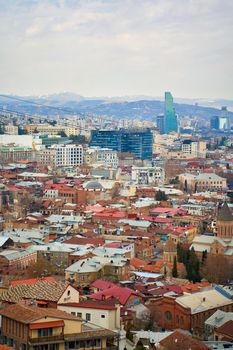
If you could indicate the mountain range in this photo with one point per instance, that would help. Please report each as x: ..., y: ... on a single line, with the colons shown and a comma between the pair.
x: 119, y: 107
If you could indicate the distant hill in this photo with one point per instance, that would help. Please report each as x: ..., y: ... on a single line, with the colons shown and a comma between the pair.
x: 115, y: 107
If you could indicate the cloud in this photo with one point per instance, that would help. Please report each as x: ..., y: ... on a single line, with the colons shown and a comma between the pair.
x: 106, y: 47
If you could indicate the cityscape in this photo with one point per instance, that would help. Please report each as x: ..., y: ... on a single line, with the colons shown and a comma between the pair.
x: 116, y: 206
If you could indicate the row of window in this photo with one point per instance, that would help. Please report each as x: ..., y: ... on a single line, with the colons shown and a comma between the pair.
x: 87, y: 316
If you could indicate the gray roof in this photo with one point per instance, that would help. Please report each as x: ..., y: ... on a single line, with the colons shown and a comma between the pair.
x: 93, y: 185
x: 219, y: 318
x: 225, y: 213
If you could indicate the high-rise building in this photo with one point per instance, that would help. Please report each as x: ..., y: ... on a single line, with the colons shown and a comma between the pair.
x: 169, y: 113
x: 137, y: 142
x: 160, y: 123
x: 214, y: 122
x: 221, y: 122
x: 224, y: 122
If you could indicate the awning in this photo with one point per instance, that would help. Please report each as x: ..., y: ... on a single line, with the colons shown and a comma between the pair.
x: 51, y: 324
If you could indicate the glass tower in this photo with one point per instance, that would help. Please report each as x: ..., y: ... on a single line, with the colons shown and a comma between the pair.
x: 137, y: 142
x: 169, y: 113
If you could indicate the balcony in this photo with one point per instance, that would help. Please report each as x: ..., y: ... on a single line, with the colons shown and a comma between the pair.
x: 47, y: 340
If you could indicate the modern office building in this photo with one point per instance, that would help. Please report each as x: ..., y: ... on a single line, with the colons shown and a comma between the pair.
x: 214, y: 122
x: 137, y: 142
x: 169, y: 114
x: 160, y: 123
x: 224, y: 122
x: 221, y: 122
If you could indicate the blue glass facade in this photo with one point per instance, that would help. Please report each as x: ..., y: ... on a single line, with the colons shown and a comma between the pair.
x: 137, y: 142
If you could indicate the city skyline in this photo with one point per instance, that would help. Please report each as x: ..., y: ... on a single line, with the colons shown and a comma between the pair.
x: 109, y: 48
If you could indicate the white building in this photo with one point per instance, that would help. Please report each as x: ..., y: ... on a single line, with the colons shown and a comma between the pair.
x: 104, y: 156
x: 195, y: 149
x: 61, y: 155
x: 11, y: 129
x: 69, y: 155
x: 148, y: 175
x: 103, y: 315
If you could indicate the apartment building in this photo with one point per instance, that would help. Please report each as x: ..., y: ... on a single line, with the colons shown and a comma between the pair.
x: 203, y: 182
x: 33, y: 328
x: 61, y: 155
x: 148, y: 175
x: 196, y: 149
x: 105, y: 156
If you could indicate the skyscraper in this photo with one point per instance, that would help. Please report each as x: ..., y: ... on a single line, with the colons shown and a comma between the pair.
x: 137, y: 142
x: 224, y: 122
x: 214, y: 122
x: 160, y: 123
x: 169, y: 113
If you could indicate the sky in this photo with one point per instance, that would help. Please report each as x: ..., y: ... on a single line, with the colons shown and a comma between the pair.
x: 117, y: 47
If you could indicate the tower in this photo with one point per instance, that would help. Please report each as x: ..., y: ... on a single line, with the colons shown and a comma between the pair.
x: 224, y: 223
x: 169, y: 114
x: 169, y: 252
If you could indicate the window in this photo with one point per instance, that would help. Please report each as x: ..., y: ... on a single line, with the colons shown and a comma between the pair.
x: 45, y: 332
x: 79, y: 314
x: 73, y: 313
x: 88, y: 317
x: 168, y: 315
x: 102, y: 316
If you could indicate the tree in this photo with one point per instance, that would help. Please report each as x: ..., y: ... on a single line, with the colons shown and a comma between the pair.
x: 174, y: 269
x: 139, y: 345
x: 217, y: 269
x: 160, y: 196
x: 191, y: 262
x: 78, y: 138
x: 129, y: 334
x: 62, y: 133
x: 204, y: 256
x: 41, y: 268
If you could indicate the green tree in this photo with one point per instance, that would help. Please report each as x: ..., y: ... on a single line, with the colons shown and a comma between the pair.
x: 204, y: 256
x: 129, y: 334
x: 161, y: 196
x: 139, y: 345
x: 174, y: 269
x: 62, y: 133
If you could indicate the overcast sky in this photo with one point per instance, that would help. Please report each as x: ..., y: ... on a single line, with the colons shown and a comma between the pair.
x: 117, y: 47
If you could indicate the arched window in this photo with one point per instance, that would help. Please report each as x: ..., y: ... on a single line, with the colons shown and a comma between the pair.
x: 168, y: 315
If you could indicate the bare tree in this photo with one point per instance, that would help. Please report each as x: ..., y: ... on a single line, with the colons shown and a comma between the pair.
x: 217, y: 269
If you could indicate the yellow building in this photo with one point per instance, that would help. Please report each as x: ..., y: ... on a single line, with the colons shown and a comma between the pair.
x: 33, y: 328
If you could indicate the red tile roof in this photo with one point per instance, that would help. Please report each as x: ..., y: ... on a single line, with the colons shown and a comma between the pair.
x: 102, y: 285
x: 90, y: 305
x: 120, y: 293
x: 226, y: 329
x: 179, y: 340
x: 32, y: 281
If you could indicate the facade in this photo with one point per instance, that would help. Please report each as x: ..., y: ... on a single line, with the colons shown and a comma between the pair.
x: 224, y: 223
x: 224, y: 122
x: 138, y: 142
x: 104, y: 156
x: 15, y: 153
x: 11, y: 129
x: 61, y: 155
x: 103, y: 314
x: 32, y: 328
x: 203, y: 182
x: 196, y: 149
x: 214, y: 122
x: 189, y: 312
x: 160, y: 123
x: 170, y: 115
x: 148, y: 175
